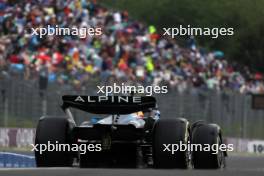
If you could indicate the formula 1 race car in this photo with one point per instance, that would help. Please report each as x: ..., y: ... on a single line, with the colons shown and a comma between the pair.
x: 133, y: 135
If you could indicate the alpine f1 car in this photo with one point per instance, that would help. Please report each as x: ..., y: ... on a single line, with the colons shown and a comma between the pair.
x: 132, y: 135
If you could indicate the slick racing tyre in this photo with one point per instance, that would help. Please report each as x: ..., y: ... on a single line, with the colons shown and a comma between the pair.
x: 207, y: 134
x: 53, y: 130
x: 170, y: 131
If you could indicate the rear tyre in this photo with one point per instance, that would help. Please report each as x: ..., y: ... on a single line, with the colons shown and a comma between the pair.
x: 53, y: 130
x: 170, y: 131
x: 205, y: 134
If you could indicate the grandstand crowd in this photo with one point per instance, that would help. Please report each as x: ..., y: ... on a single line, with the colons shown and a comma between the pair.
x: 127, y: 50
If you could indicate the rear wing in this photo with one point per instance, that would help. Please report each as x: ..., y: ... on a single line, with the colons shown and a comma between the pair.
x: 109, y: 104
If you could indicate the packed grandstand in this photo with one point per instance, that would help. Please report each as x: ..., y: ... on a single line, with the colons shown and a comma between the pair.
x: 127, y: 50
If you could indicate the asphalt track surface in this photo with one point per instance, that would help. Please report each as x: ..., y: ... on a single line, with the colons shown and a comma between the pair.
x: 236, y: 166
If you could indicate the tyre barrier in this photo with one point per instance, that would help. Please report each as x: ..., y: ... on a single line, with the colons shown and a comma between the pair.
x: 14, y: 160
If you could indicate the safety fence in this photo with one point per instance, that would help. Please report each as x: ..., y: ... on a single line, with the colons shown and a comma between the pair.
x: 22, y: 103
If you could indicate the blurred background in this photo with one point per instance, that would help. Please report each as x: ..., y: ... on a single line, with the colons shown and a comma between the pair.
x: 208, y: 79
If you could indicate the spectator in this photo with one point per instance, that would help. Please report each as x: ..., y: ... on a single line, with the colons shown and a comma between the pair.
x: 127, y: 50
